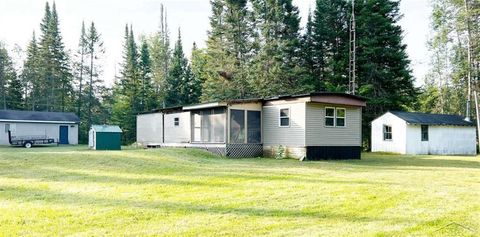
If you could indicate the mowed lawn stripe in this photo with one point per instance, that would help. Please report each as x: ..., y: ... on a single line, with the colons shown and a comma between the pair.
x: 171, y: 192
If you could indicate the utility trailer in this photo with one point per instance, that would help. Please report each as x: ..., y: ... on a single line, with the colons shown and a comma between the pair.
x: 29, y: 141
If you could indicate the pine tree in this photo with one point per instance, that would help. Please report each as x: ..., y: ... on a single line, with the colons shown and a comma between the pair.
x: 383, y: 65
x: 15, y: 98
x: 307, y: 57
x: 126, y: 92
x: 31, y: 75
x: 159, y: 49
x: 197, y: 65
x: 230, y: 44
x: 9, y: 97
x: 57, y: 88
x: 95, y: 51
x: 81, y: 68
x: 329, y: 45
x: 276, y: 67
x: 147, y: 93
x: 180, y: 82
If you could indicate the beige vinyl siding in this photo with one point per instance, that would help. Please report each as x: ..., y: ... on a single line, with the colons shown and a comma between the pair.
x: 149, y: 128
x: 180, y: 133
x: 274, y: 135
x: 317, y: 134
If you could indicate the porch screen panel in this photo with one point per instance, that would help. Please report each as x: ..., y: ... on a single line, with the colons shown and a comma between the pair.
x: 237, y: 126
x: 197, y: 127
x: 206, y: 125
x: 254, y: 127
x: 209, y: 126
x: 218, y: 125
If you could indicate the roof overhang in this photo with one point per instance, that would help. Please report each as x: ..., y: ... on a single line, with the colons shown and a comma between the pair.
x: 206, y: 106
x: 37, y: 121
x: 338, y: 99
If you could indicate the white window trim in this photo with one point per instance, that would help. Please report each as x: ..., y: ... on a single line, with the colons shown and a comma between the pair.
x: 334, y: 117
x: 344, y: 117
x: 383, y: 132
x: 280, y: 117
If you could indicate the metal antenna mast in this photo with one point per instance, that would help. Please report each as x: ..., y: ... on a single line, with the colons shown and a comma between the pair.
x: 352, y: 84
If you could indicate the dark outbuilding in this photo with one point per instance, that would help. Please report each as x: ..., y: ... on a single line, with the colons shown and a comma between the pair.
x: 105, y: 137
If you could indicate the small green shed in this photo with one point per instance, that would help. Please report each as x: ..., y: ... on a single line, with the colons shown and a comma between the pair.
x: 105, y: 137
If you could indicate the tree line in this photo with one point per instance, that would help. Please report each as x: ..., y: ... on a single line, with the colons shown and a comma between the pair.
x: 453, y: 78
x: 255, y: 48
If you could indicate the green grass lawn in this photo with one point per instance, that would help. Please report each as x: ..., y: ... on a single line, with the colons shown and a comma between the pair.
x: 74, y: 191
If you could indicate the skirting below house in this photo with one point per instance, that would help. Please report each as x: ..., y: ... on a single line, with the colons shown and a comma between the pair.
x: 333, y: 152
x: 229, y: 150
x: 244, y: 150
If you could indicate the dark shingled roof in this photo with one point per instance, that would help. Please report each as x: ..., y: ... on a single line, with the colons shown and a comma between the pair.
x: 322, y: 93
x: 18, y: 115
x: 432, y: 119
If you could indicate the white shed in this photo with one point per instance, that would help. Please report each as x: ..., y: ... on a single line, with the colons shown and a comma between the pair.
x: 60, y: 126
x: 421, y: 134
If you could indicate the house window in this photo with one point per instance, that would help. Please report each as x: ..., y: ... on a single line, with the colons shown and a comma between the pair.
x: 7, y: 127
x: 176, y: 121
x: 254, y: 127
x: 335, y: 117
x: 424, y: 129
x: 284, y: 117
x: 330, y: 117
x: 340, y: 117
x: 387, y: 133
x: 237, y: 126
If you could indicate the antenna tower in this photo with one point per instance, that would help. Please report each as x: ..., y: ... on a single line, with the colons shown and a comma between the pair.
x: 352, y: 84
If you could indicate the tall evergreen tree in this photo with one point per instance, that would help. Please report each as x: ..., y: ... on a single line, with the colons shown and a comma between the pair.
x: 95, y: 51
x: 57, y: 88
x: 15, y: 99
x: 159, y: 49
x: 276, y: 67
x: 230, y: 44
x: 31, y: 75
x: 307, y: 57
x: 197, y: 65
x: 383, y: 65
x: 126, y: 92
x: 9, y: 97
x: 81, y: 69
x: 329, y: 44
x: 180, y: 82
x: 147, y: 92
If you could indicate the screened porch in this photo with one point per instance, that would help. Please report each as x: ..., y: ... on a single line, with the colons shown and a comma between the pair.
x: 225, y: 125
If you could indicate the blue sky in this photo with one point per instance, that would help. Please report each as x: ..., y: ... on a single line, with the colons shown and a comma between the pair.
x: 18, y: 19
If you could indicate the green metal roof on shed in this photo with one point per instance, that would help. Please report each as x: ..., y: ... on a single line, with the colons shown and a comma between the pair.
x: 107, y: 128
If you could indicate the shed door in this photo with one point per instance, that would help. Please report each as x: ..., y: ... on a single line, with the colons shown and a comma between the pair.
x: 63, y: 135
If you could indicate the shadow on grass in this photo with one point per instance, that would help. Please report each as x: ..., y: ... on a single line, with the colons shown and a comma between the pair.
x: 406, y: 162
x: 71, y: 175
x: 22, y: 195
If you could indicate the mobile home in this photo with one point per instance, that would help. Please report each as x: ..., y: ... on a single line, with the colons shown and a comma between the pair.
x: 311, y: 126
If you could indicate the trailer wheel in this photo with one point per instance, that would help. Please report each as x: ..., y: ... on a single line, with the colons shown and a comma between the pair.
x: 28, y: 145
